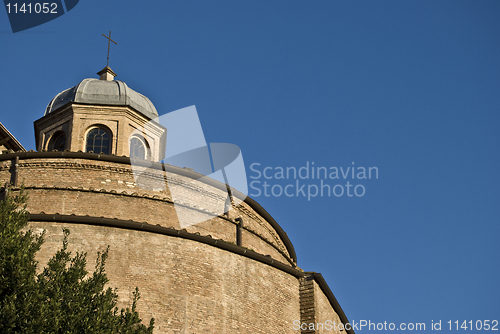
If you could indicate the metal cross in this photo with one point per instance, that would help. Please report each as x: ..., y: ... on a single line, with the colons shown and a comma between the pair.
x: 109, y: 44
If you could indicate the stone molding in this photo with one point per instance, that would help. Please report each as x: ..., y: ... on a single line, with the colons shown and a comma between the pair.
x: 170, y: 231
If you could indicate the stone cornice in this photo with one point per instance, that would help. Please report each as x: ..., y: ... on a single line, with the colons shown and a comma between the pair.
x: 143, y: 226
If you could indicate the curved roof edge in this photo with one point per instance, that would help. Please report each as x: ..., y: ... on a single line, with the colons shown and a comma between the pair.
x: 139, y: 226
x: 102, y: 92
x: 173, y: 169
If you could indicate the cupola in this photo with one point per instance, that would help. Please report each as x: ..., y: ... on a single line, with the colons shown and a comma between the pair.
x: 102, y: 116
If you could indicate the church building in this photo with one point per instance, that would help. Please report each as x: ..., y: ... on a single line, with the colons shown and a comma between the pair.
x: 232, y: 273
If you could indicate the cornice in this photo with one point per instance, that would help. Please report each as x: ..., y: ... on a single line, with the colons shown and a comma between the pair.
x: 143, y: 226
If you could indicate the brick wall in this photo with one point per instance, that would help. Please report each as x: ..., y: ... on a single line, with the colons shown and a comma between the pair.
x: 107, y: 189
x: 307, y: 304
x: 75, y: 120
x: 188, y: 287
x: 317, y: 315
x: 324, y: 312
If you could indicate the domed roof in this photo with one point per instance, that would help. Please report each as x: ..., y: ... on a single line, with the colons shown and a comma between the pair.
x: 104, y: 92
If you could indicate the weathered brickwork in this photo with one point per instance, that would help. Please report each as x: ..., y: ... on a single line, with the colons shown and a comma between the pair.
x: 307, y: 304
x: 75, y: 120
x: 188, y: 287
x: 317, y: 315
x: 107, y: 189
x: 324, y: 312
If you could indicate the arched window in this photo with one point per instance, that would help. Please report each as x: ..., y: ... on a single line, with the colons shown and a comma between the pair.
x: 58, y: 141
x: 98, y: 141
x: 139, y: 148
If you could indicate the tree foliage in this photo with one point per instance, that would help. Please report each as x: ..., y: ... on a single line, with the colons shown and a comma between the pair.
x: 62, y: 298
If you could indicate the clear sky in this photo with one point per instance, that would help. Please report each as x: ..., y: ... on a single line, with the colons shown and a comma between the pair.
x: 409, y: 87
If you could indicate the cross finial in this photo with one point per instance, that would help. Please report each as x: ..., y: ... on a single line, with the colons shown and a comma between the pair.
x: 109, y: 44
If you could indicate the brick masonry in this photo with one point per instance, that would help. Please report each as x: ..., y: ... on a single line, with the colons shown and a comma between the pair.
x: 75, y: 120
x: 316, y: 309
x: 97, y: 188
x: 187, y: 286
x: 324, y: 311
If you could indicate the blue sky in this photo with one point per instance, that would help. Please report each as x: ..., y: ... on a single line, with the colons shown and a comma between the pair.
x: 410, y: 87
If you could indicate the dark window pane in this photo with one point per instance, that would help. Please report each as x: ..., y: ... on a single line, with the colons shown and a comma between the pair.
x: 58, y: 142
x: 98, y: 141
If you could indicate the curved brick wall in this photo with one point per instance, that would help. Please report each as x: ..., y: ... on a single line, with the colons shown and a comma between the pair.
x: 107, y: 189
x: 192, y: 280
x: 187, y: 286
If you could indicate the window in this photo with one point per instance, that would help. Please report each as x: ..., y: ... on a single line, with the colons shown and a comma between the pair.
x: 98, y: 141
x: 139, y: 148
x: 57, y: 142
